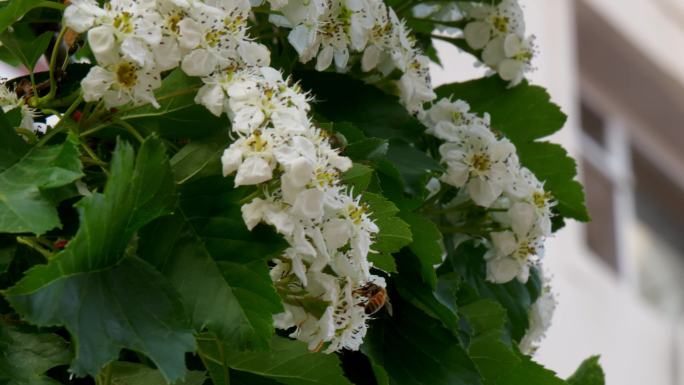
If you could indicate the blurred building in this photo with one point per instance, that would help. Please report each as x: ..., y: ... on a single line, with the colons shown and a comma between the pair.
x: 617, y: 68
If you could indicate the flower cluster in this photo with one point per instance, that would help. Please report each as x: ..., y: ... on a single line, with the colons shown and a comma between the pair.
x: 321, y: 275
x: 9, y: 101
x: 133, y: 41
x: 499, y: 31
x: 333, y: 30
x: 486, y: 170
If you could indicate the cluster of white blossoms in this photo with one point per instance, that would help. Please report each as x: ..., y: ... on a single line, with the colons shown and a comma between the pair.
x: 10, y: 101
x: 133, y: 41
x: 324, y: 274
x: 328, y: 230
x: 486, y: 170
x: 277, y: 148
x: 499, y: 31
x: 347, y: 32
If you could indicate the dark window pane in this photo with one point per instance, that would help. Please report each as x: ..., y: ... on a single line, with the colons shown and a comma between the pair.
x: 600, y: 232
x: 593, y: 124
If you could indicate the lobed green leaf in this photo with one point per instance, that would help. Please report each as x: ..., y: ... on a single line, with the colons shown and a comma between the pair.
x: 23, y: 204
x: 107, y: 298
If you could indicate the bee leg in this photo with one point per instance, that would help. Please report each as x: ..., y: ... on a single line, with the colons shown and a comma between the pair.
x: 318, y: 347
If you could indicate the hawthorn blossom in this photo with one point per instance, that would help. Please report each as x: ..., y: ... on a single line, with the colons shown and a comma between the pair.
x: 486, y: 171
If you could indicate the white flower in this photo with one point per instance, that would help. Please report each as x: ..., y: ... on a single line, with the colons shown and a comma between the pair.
x: 121, y: 83
x: 478, y: 162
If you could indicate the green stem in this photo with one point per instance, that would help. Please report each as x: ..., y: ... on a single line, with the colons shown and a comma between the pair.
x: 94, y: 130
x: 251, y: 196
x: 102, y: 164
x: 30, y: 242
x: 130, y: 129
x: 53, y: 59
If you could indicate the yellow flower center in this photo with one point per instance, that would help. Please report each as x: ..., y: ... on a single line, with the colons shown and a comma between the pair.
x: 126, y: 75
x: 540, y: 198
x: 123, y: 22
x: 356, y: 213
x: 213, y: 37
x: 525, y: 250
x: 500, y: 23
x: 173, y: 20
x: 256, y: 143
x: 480, y: 162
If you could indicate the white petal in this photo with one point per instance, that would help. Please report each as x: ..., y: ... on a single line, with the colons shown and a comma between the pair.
x: 309, y: 203
x: 137, y: 52
x: 302, y: 39
x: 456, y: 175
x: 102, y: 43
x: 190, y: 33
x: 254, y: 54
x: 252, y: 171
x: 253, y: 212
x: 212, y: 97
x: 231, y: 160
x: 325, y: 58
x: 494, y: 53
x: 370, y: 59
x: 504, y: 243
x: 502, y: 270
x: 199, y: 62
x: 96, y: 83
x: 477, y: 34
x: 522, y: 217
x: 483, y: 192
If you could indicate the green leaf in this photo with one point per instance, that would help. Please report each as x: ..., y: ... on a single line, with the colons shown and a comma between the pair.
x: 529, y: 372
x: 23, y: 206
x: 468, y: 262
x: 129, y: 373
x: 384, y: 262
x: 525, y: 114
x: 288, y: 362
x: 12, y: 147
x: 367, y: 149
x: 14, y: 10
x: 414, y: 165
x: 200, y: 158
x: 491, y: 355
x: 8, y: 57
x: 26, y: 355
x: 588, y: 373
x: 394, y: 232
x: 358, y: 177
x: 24, y: 45
x: 178, y: 115
x: 499, y: 362
x: 426, y: 244
x: 414, y: 289
x: 108, y: 301
x: 414, y: 349
x: 235, y: 300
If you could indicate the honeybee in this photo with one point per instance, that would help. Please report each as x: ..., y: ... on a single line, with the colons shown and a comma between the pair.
x: 376, y: 298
